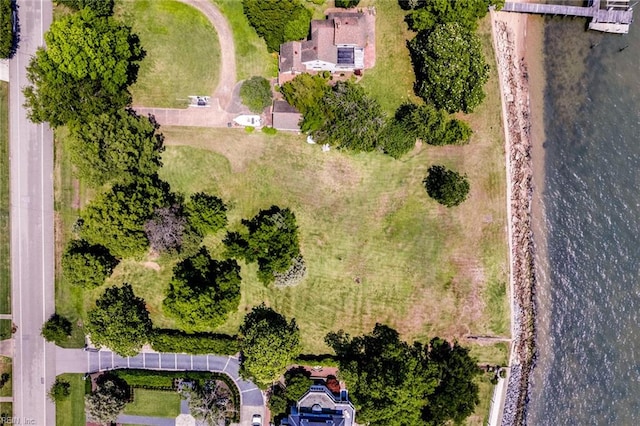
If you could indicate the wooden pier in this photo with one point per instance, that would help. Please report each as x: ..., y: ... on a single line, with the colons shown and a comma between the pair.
x: 614, y: 16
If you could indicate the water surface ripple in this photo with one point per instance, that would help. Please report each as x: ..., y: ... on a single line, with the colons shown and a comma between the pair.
x: 588, y: 370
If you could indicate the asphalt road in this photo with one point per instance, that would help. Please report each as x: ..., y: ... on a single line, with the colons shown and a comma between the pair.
x: 32, y: 239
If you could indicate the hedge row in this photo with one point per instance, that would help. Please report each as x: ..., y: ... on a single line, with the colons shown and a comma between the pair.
x: 324, y: 360
x: 6, y: 28
x: 165, y: 340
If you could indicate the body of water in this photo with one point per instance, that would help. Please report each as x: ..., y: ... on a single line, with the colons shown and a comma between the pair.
x: 588, y: 368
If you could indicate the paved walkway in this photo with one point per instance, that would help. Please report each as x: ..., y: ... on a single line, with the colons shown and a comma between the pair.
x: 217, y: 114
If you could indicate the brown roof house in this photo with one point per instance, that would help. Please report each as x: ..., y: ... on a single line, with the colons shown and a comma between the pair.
x: 285, y: 116
x: 321, y: 407
x: 344, y: 42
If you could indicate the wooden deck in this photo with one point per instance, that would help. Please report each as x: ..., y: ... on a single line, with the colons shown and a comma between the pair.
x: 612, y: 19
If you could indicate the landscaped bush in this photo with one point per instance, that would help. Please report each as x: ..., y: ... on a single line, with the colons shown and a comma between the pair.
x: 324, y: 360
x: 278, y: 21
x: 57, y: 329
x: 6, y: 29
x: 347, y: 3
x: 269, y: 130
x: 164, y: 340
x: 256, y: 94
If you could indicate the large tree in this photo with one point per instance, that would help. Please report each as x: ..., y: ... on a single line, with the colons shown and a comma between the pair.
x: 57, y: 329
x: 352, y: 119
x: 99, y: 7
x: 111, y: 147
x: 427, y: 14
x: 393, y: 383
x: 278, y: 21
x: 87, y: 265
x: 85, y: 70
x: 297, y: 382
x: 203, y: 291
x: 271, y: 240
x: 116, y: 218
x: 211, y: 403
x: 447, y: 187
x: 450, y: 67
x: 120, y: 321
x: 108, y: 400
x: 388, y: 379
x: 431, y: 125
x: 207, y: 213
x: 268, y: 344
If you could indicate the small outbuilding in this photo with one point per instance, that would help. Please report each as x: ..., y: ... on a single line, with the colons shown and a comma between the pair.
x: 285, y: 116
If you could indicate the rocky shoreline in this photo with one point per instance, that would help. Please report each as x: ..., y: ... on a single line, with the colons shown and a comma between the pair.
x: 514, y: 87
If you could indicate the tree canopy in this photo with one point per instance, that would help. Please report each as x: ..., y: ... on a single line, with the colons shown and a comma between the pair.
x: 210, y: 403
x: 450, y: 67
x: 271, y: 240
x: 431, y: 125
x: 268, y: 344
x: 297, y: 383
x: 425, y: 15
x: 447, y: 187
x: 207, y: 213
x: 87, y: 265
x: 120, y: 321
x: 57, y: 329
x: 108, y: 400
x: 85, y: 70
x: 114, y: 146
x: 394, y: 383
x: 203, y: 291
x: 99, y: 7
x: 256, y: 94
x: 278, y: 21
x: 116, y: 218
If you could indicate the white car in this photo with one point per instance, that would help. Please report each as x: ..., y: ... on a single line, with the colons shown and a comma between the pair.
x: 256, y: 420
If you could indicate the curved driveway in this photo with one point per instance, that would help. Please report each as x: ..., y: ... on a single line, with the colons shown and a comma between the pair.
x: 80, y: 361
x: 216, y: 115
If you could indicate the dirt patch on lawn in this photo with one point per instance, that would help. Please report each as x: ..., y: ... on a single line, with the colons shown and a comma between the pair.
x: 151, y: 265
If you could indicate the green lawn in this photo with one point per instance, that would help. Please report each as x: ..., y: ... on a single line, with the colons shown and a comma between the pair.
x: 377, y: 248
x: 5, y: 368
x: 70, y: 412
x: 252, y: 57
x: 5, y: 329
x: 391, y: 80
x: 69, y: 196
x: 154, y: 403
x: 6, y: 409
x: 5, y: 236
x: 183, y: 53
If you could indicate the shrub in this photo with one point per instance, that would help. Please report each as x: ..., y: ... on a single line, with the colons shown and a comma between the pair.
x: 269, y: 130
x: 347, y: 3
x: 57, y: 329
x: 447, y: 187
x: 256, y: 94
x: 99, y: 7
x: 165, y: 340
x: 60, y: 390
x: 249, y: 129
x: 278, y: 21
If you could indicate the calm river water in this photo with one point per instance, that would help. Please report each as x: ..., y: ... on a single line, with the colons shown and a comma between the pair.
x: 588, y: 369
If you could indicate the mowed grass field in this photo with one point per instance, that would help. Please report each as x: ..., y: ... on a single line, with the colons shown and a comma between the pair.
x: 154, y: 403
x: 252, y: 57
x: 70, y: 412
x: 183, y: 53
x: 5, y: 235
